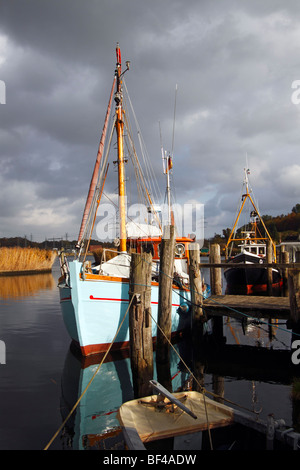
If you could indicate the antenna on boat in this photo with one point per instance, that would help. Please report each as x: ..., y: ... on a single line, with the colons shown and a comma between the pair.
x: 173, y: 136
x: 168, y: 161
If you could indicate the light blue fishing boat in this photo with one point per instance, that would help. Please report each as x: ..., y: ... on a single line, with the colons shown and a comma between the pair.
x: 95, y: 299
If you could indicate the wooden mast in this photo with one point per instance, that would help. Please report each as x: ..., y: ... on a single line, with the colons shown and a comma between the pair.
x: 121, y: 169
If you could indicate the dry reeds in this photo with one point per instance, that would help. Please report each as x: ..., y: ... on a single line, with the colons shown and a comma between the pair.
x: 25, y: 259
x: 99, y: 254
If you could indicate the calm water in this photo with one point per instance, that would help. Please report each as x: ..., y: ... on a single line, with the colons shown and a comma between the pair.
x: 42, y: 378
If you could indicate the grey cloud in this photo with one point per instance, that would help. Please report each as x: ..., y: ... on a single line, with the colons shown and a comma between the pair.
x: 234, y: 63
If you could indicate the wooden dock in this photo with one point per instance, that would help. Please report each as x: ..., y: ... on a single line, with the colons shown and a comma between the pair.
x: 238, y: 306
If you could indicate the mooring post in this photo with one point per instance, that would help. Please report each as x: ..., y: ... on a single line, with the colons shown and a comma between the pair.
x: 294, y: 295
x: 215, y: 273
x: 140, y: 323
x: 164, y: 314
x: 196, y: 292
x: 269, y: 270
x: 285, y: 258
x: 216, y: 286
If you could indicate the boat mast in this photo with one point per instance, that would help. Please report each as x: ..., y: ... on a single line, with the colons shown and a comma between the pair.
x: 120, y: 161
x: 167, y: 165
x: 246, y: 196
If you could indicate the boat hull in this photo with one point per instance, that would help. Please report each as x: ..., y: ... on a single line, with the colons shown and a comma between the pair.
x: 93, y: 310
x: 243, y: 281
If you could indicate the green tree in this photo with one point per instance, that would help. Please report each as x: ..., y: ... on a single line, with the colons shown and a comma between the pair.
x: 296, y: 209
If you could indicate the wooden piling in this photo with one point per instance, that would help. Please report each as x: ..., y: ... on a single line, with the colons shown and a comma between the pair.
x: 215, y: 273
x: 269, y: 270
x: 294, y: 295
x: 216, y: 287
x: 140, y: 323
x: 196, y: 291
x: 164, y: 318
x: 285, y: 257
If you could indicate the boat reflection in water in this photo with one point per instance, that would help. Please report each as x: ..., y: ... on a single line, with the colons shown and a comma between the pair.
x: 25, y: 285
x: 94, y: 424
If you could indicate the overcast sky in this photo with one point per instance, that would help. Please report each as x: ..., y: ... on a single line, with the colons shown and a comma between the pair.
x: 234, y: 63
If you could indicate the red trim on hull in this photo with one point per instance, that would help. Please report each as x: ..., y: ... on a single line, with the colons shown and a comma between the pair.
x: 107, y: 298
x: 123, y: 300
x: 66, y: 298
x: 252, y: 289
x: 91, y: 349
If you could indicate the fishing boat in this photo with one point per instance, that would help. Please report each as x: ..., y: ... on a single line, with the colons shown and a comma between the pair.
x: 95, y: 298
x: 191, y: 421
x: 252, y: 245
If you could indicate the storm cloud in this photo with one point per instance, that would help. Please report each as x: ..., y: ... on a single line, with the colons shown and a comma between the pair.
x: 234, y: 63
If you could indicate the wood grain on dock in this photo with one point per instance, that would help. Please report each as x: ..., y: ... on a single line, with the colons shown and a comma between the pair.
x: 256, y: 306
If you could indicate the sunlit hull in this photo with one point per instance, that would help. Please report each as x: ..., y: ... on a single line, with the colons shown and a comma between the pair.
x: 94, y: 308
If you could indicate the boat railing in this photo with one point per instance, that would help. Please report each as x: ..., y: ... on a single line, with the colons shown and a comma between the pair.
x: 103, y: 257
x: 64, y: 266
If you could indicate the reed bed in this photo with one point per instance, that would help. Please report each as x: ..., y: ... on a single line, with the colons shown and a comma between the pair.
x: 16, y: 259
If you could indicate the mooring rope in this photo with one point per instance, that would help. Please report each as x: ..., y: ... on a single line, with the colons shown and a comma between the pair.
x: 91, y: 380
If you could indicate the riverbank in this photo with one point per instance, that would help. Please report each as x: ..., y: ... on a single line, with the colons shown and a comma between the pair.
x: 17, y: 260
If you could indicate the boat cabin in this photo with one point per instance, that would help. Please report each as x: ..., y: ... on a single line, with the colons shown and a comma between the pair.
x: 153, y: 244
x: 250, y: 245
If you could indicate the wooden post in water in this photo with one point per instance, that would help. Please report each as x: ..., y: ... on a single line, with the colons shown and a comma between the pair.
x: 294, y: 295
x: 196, y: 292
x: 269, y: 270
x: 140, y: 323
x: 216, y: 286
x: 285, y: 258
x: 164, y: 318
x: 215, y: 273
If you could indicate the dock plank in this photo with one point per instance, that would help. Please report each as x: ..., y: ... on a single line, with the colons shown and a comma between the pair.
x: 257, y: 306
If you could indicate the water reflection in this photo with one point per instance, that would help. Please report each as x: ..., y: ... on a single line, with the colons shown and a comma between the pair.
x: 233, y: 376
x: 25, y: 285
x: 94, y: 424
